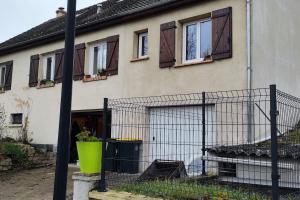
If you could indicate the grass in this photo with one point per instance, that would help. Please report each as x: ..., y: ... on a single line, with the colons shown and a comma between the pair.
x: 189, y: 191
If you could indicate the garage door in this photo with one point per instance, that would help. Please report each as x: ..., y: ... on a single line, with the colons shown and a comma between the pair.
x: 176, y: 134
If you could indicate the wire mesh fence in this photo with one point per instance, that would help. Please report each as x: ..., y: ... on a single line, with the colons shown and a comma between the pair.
x: 213, y: 145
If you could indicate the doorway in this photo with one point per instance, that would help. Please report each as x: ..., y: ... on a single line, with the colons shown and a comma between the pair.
x: 91, y: 121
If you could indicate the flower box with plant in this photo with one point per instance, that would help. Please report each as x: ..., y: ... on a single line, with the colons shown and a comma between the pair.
x: 46, y: 83
x: 101, y: 72
x: 89, y: 152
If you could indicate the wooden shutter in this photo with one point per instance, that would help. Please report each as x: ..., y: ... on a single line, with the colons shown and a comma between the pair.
x: 79, y: 62
x: 59, y: 61
x: 8, y: 75
x: 167, y: 45
x: 34, y: 69
x: 112, y: 59
x: 222, y: 33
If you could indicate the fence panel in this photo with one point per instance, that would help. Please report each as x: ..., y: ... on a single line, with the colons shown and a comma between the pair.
x: 213, y: 145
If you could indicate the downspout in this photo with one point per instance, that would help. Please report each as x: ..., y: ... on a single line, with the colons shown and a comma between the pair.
x: 249, y: 72
x: 249, y: 55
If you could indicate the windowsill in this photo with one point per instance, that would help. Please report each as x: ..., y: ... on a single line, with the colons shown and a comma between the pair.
x: 139, y: 59
x: 15, y: 125
x: 96, y: 78
x: 45, y: 86
x: 194, y: 63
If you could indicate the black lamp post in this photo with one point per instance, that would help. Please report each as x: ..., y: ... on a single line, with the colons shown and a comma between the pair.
x: 61, y: 171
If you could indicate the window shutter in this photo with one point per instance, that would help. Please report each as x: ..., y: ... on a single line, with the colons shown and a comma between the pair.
x: 8, y: 75
x: 59, y: 61
x: 79, y: 62
x: 167, y: 45
x: 112, y: 59
x: 34, y: 69
x: 222, y: 33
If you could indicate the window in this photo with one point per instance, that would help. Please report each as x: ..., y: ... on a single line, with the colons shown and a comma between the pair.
x: 48, y: 67
x: 98, y: 58
x: 142, y: 45
x: 17, y: 118
x: 2, y: 75
x: 197, y: 40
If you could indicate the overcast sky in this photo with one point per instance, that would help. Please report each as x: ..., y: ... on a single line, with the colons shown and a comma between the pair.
x: 17, y: 16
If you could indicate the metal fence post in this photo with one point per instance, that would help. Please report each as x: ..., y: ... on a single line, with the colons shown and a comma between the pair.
x: 274, y: 147
x: 102, y: 187
x: 203, y: 133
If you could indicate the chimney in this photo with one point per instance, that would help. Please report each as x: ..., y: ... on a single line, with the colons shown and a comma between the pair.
x: 60, y: 12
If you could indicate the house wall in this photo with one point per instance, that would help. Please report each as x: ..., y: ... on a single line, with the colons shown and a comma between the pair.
x: 288, y: 170
x: 276, y: 29
x: 143, y: 78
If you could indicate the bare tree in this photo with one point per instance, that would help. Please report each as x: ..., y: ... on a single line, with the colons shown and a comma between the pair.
x: 25, y: 107
x: 2, y: 120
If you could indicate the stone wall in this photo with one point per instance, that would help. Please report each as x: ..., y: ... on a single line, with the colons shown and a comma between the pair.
x: 34, y: 158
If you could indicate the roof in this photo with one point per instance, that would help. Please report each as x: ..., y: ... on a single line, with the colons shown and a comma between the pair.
x: 87, y: 20
x: 288, y: 147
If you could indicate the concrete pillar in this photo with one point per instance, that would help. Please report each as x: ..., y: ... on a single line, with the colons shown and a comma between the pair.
x: 83, y: 184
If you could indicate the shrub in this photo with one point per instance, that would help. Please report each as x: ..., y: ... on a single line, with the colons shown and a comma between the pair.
x: 16, y: 153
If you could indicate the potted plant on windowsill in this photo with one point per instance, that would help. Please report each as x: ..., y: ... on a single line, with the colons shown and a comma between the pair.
x: 101, y: 74
x: 88, y: 78
x: 46, y: 83
x: 89, y: 152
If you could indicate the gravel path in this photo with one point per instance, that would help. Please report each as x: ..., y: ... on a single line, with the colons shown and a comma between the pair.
x: 35, y: 184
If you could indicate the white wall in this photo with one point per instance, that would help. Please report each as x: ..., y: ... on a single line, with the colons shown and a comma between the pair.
x: 143, y: 78
x: 276, y: 50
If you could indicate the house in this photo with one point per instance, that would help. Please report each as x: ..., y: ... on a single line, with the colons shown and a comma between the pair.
x: 129, y: 48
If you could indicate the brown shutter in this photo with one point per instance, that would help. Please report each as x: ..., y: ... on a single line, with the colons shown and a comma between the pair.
x: 112, y: 59
x: 8, y: 75
x: 34, y: 69
x: 59, y: 61
x: 167, y: 45
x: 222, y: 33
x: 79, y: 62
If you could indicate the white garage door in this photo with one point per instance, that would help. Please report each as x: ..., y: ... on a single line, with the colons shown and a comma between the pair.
x: 176, y: 134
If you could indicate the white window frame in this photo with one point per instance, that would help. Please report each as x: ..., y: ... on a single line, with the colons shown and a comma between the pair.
x: 1, y: 67
x: 198, y: 50
x: 140, y: 44
x: 44, y: 58
x: 91, y: 58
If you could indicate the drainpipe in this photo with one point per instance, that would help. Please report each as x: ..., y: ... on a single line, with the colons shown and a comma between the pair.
x: 249, y: 71
x: 249, y: 66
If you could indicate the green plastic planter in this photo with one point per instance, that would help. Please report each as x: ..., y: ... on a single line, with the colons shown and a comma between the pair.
x: 90, y: 155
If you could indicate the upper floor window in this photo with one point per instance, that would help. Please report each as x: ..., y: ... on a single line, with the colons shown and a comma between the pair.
x: 142, y: 45
x: 98, y: 58
x: 6, y: 70
x: 197, y: 40
x: 48, y: 67
x: 2, y: 75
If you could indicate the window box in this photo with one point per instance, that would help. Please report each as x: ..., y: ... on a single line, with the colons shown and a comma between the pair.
x: 98, y: 77
x: 45, y: 83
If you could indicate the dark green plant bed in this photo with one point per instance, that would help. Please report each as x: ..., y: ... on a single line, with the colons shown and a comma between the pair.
x: 190, y: 191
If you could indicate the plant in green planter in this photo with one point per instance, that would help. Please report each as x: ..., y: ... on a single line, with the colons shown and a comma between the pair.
x: 89, y: 152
